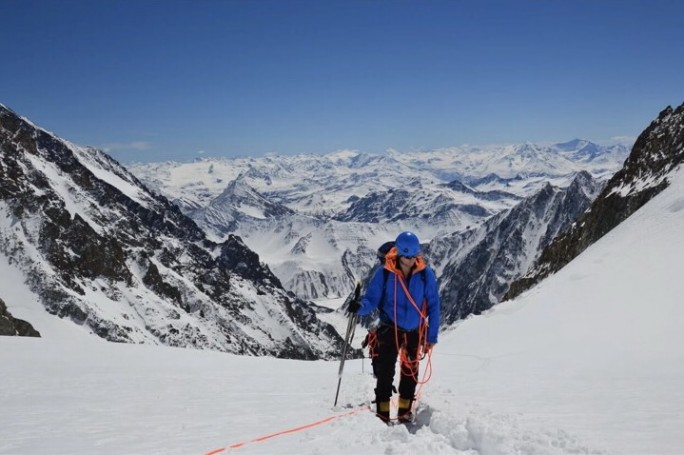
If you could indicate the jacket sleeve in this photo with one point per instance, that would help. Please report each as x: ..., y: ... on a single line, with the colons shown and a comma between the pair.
x: 371, y: 299
x: 433, y: 306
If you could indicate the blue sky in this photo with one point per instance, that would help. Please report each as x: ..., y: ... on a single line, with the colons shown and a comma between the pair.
x: 172, y: 80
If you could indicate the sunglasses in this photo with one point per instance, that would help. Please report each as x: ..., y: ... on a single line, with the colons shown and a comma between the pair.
x: 409, y: 257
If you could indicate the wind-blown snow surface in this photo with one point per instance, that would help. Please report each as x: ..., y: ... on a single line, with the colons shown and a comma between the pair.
x: 589, y: 361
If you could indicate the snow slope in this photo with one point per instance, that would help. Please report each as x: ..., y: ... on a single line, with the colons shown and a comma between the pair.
x: 589, y: 361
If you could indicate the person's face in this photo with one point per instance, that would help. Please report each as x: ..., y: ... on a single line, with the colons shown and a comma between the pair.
x: 406, y: 260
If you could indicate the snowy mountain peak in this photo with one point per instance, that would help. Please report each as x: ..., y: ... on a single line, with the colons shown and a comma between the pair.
x: 586, y: 151
x: 98, y: 248
x: 240, y: 197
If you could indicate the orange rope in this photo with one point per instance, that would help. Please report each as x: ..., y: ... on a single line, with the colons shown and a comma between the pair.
x: 412, y: 366
x: 291, y: 430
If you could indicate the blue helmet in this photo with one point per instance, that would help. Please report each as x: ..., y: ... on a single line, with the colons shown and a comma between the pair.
x: 407, y: 244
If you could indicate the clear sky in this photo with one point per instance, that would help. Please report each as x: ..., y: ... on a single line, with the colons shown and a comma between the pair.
x: 158, y: 80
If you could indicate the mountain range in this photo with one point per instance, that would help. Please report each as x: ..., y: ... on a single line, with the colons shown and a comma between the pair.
x: 476, y: 266
x: 97, y: 247
x: 229, y: 254
x: 316, y: 220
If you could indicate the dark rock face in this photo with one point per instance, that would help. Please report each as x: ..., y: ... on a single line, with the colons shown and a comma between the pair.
x: 656, y: 153
x: 500, y: 251
x: 10, y: 326
x: 99, y: 248
x: 378, y: 206
x: 241, y: 260
x: 400, y: 204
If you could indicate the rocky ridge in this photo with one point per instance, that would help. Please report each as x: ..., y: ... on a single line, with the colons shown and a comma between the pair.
x: 100, y: 249
x: 658, y: 151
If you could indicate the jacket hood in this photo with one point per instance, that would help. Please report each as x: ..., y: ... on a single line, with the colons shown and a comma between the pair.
x: 392, y: 257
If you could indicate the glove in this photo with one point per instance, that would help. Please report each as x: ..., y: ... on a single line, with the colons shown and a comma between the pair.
x: 354, y: 306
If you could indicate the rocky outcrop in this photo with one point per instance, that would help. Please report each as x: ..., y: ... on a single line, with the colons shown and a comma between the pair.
x: 484, y: 261
x: 10, y: 326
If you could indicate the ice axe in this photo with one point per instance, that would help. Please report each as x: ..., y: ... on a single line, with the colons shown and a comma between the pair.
x: 351, y: 327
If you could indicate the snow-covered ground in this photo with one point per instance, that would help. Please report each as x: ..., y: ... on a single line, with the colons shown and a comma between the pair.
x: 590, y: 361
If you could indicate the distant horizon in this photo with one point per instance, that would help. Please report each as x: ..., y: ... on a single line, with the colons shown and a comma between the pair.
x: 155, y: 81
x: 205, y: 157
x: 624, y: 141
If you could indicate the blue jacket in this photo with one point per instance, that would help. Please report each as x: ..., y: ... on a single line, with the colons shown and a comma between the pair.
x: 397, y: 308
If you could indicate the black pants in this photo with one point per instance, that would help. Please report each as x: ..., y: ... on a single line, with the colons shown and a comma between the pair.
x: 385, y: 362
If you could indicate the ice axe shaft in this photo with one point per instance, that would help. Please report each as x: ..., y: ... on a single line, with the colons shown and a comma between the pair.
x: 349, y: 336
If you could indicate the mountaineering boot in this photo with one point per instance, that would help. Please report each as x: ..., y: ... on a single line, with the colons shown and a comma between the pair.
x: 383, y: 410
x: 404, y: 414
